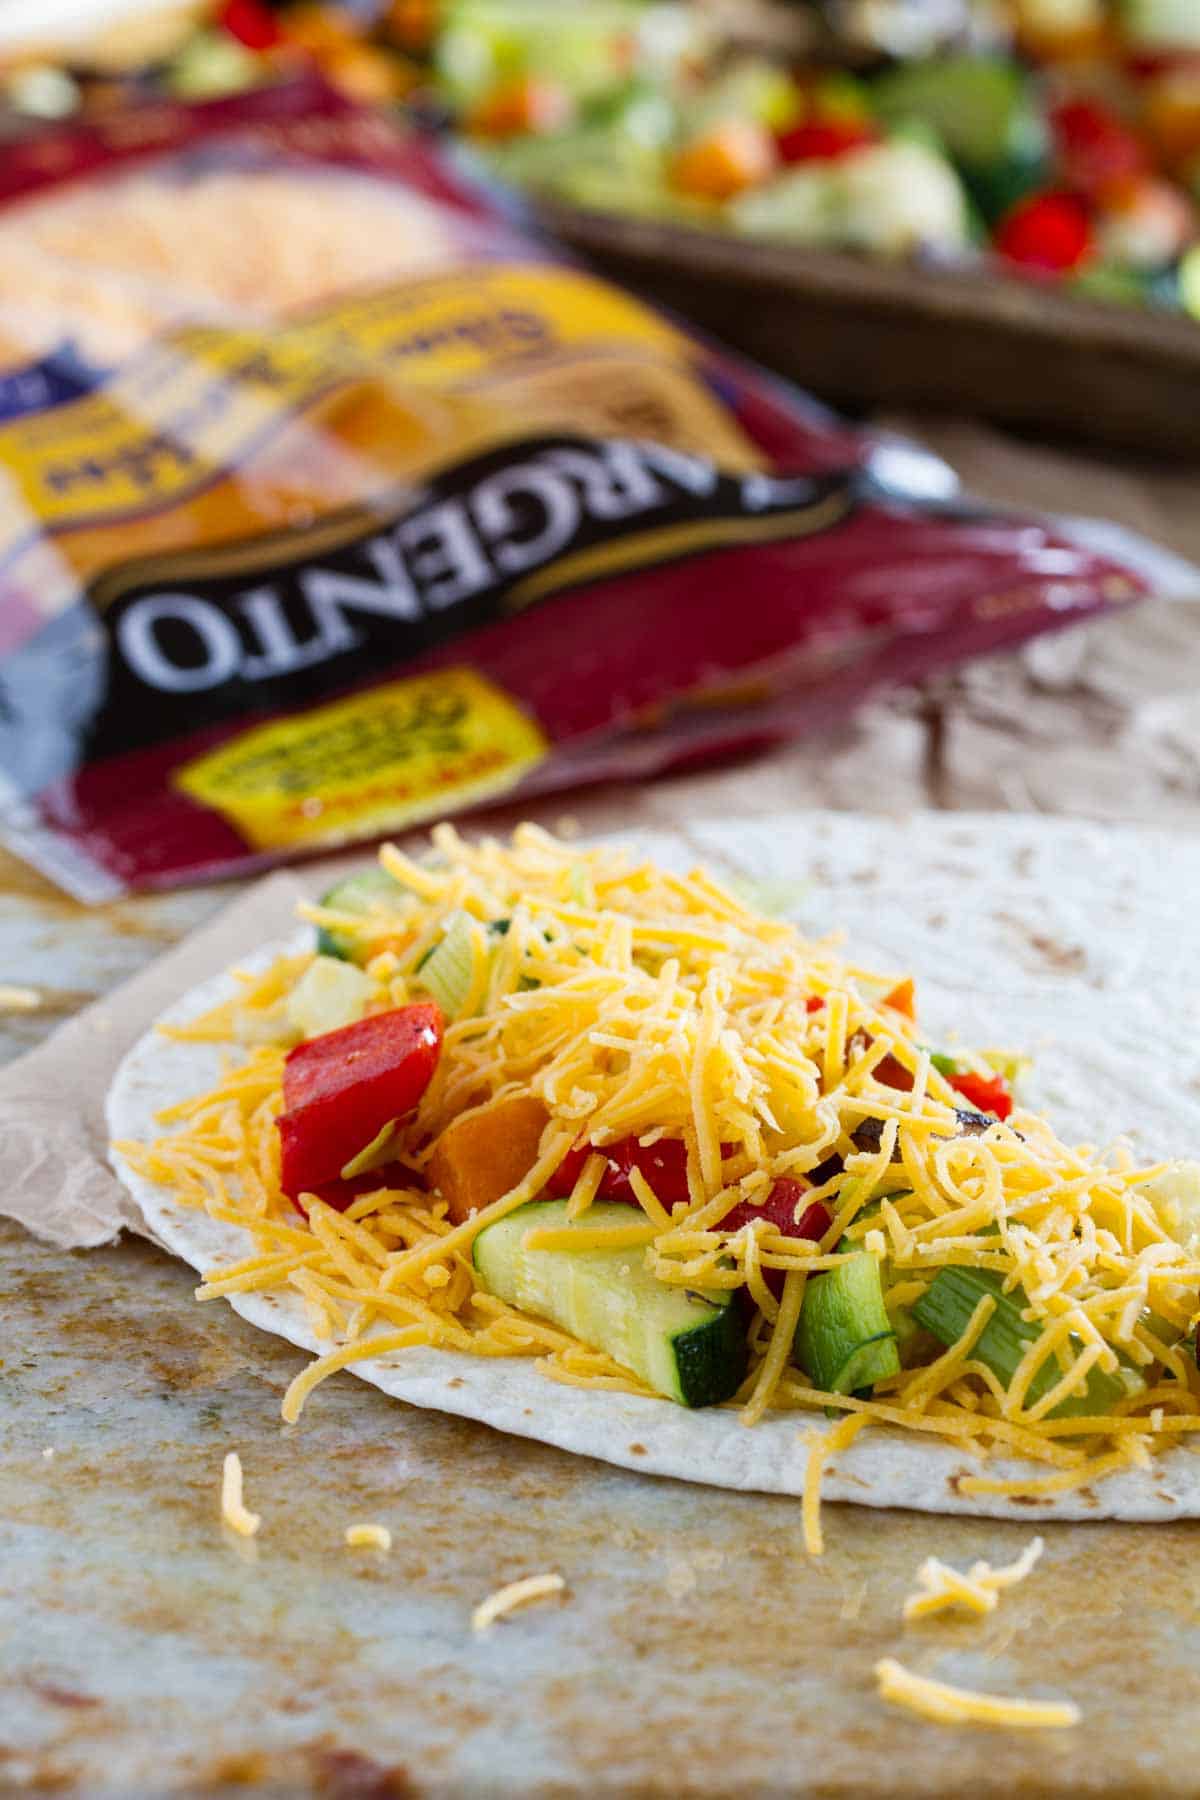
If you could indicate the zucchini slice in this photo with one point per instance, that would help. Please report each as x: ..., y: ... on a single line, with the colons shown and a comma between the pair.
x: 689, y: 1347
x: 845, y: 1340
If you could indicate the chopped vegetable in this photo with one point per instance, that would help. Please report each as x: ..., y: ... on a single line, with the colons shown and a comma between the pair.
x: 845, y: 1340
x: 733, y: 156
x: 341, y: 1089
x: 448, y: 969
x: 1049, y: 231
x: 664, y: 1165
x: 824, y: 140
x: 784, y: 1208
x: 483, y: 1155
x: 368, y: 890
x: 989, y: 1093
x: 1097, y: 151
x: 329, y: 994
x: 688, y: 1346
x: 903, y: 998
x: 946, y: 1307
x: 344, y: 1191
x: 526, y: 105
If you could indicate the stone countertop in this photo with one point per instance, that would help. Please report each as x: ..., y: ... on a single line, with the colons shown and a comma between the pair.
x: 146, y: 1650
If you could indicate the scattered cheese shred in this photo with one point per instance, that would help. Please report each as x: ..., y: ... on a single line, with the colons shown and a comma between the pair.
x: 368, y: 1537
x: 234, y: 1511
x: 516, y: 1594
x: 946, y: 1705
x: 978, y: 1591
x: 19, y: 999
x: 820, y: 1448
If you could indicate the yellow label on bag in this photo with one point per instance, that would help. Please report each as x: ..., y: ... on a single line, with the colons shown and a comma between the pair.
x: 378, y: 761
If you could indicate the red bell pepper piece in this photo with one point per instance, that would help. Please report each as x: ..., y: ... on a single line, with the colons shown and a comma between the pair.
x: 341, y: 1089
x: 780, y: 1208
x: 824, y: 140
x: 251, y: 23
x: 989, y: 1093
x: 663, y: 1164
x: 1049, y: 231
x: 340, y: 1194
x: 1097, y: 151
x: 814, y: 1003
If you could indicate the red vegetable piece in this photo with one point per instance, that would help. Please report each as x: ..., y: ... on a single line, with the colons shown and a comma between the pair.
x: 342, y: 1088
x: 1097, y: 151
x: 824, y: 140
x: 814, y: 1003
x: 251, y: 23
x: 989, y: 1093
x: 340, y: 1194
x: 663, y: 1164
x: 780, y: 1208
x: 892, y: 1073
x: 1049, y: 231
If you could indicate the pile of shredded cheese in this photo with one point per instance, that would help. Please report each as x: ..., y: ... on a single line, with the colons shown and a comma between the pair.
x: 633, y: 1001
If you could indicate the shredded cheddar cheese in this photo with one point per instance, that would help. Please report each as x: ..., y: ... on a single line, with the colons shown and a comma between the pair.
x: 978, y: 1591
x: 820, y: 1449
x: 234, y: 1511
x: 18, y: 999
x: 946, y: 1705
x: 516, y: 1594
x: 368, y: 1537
x: 630, y: 1002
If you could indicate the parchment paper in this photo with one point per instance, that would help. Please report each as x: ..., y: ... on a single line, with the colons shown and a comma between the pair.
x: 53, y: 1176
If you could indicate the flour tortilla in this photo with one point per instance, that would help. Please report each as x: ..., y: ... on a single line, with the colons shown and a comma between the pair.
x: 1079, y: 944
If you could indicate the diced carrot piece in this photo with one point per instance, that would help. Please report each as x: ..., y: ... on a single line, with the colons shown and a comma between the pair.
x: 903, y: 998
x: 481, y: 1156
x: 734, y: 155
x: 528, y: 105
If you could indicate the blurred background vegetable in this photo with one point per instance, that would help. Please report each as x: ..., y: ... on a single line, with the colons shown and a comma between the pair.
x: 1060, y: 138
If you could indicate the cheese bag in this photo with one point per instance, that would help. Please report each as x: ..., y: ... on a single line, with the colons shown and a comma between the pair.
x: 330, y: 502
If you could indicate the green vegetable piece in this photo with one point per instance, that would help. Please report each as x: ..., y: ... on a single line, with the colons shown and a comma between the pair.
x: 945, y: 1310
x: 329, y: 994
x: 445, y: 971
x: 375, y: 1154
x: 368, y: 890
x: 845, y: 1340
x: 689, y: 1347
x: 983, y: 111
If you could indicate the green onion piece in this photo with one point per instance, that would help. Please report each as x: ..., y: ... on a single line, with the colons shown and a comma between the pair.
x: 945, y: 1309
x: 446, y: 970
x: 377, y: 1152
x: 845, y: 1340
x: 945, y: 1065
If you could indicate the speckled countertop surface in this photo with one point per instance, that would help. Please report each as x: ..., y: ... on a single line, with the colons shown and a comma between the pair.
x: 145, y: 1650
